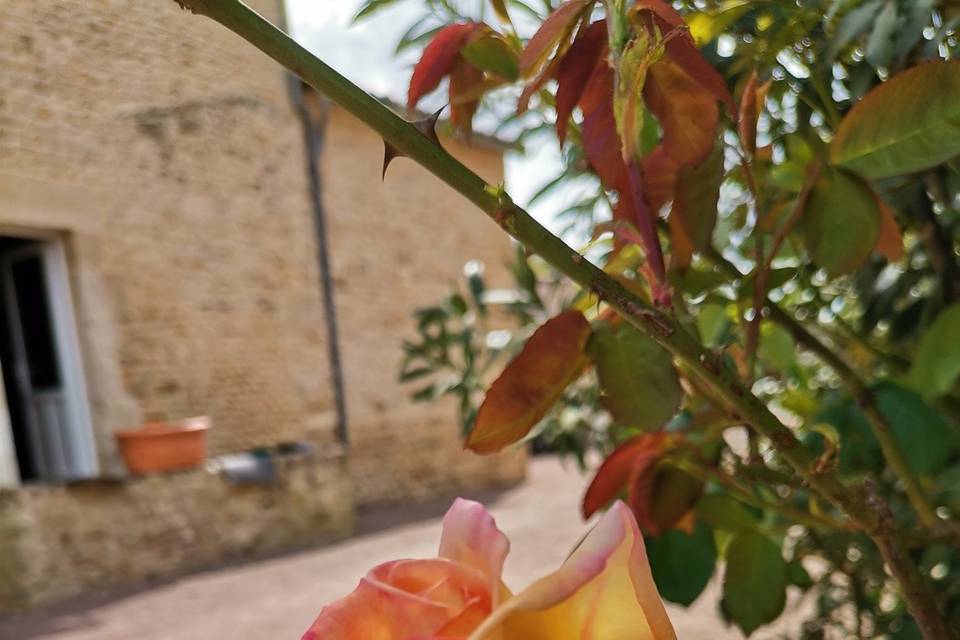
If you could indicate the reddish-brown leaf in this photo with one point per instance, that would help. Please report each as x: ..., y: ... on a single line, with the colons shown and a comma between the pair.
x: 626, y: 461
x: 889, y: 239
x: 748, y: 115
x: 683, y: 50
x: 626, y: 211
x: 532, y: 382
x: 601, y: 142
x: 603, y: 149
x: 661, y: 495
x: 681, y: 247
x: 575, y: 69
x: 632, y: 197
x: 687, y: 113
x: 663, y: 10
x: 464, y: 79
x: 438, y: 59
x: 558, y: 26
x: 660, y: 178
x: 523, y: 102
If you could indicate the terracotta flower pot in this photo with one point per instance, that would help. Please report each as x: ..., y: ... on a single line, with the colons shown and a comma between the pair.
x: 158, y: 446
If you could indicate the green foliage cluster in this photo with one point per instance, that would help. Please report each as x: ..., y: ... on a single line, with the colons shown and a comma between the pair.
x: 825, y: 274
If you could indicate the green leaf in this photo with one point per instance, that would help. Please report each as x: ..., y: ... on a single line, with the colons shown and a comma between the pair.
x: 457, y: 304
x: 907, y: 124
x: 721, y: 511
x: 798, y: 576
x: 639, y: 384
x: 683, y: 564
x: 500, y: 8
x: 925, y: 437
x: 413, y: 38
x: 695, y: 198
x: 859, y: 449
x: 628, y: 107
x: 776, y: 346
x: 492, y: 53
x: 948, y: 487
x: 706, y: 27
x: 478, y: 289
x: 880, y: 43
x: 936, y: 365
x: 910, y: 33
x: 425, y: 394
x: 372, y: 6
x: 755, y: 583
x: 696, y: 282
x: 840, y: 222
x: 415, y: 374
x: 788, y: 176
x: 852, y: 25
x: 712, y: 322
x: 908, y: 631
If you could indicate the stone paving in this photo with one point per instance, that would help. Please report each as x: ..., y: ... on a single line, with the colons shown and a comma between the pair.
x: 278, y: 598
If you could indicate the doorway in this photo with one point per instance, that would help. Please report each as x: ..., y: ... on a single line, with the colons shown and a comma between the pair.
x: 42, y: 376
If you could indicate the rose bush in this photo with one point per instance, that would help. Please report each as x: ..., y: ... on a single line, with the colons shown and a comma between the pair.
x: 604, y: 590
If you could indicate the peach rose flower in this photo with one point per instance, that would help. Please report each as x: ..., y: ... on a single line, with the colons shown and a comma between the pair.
x: 604, y: 591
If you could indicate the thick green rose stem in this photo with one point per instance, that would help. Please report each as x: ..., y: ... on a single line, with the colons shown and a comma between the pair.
x: 861, y: 393
x: 663, y: 328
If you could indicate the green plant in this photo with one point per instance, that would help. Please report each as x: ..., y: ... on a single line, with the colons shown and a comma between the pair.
x: 809, y: 308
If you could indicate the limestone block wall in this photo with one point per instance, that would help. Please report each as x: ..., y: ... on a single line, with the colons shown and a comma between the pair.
x: 57, y: 542
x: 166, y: 155
x: 166, y: 152
x: 399, y: 244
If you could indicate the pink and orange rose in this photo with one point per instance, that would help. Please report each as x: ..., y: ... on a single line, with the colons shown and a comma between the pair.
x: 604, y: 591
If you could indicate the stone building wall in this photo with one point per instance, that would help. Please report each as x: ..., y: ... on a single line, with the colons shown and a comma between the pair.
x: 165, y: 153
x: 399, y: 244
x: 57, y: 542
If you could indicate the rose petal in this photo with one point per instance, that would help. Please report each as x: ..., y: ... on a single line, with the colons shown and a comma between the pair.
x: 604, y: 591
x: 408, y: 599
x: 470, y: 536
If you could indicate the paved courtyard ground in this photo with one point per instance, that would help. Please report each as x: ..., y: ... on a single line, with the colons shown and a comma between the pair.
x: 278, y: 598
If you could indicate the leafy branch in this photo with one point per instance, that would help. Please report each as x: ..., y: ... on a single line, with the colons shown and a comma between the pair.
x: 863, y: 506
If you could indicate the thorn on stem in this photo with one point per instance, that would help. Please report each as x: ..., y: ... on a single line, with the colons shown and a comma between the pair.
x: 428, y: 125
x: 190, y: 5
x: 389, y: 153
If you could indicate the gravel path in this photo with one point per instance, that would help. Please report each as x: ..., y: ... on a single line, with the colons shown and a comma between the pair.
x: 278, y: 598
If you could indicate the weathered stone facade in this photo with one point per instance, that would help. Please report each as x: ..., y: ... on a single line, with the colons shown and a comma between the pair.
x: 397, y: 247
x: 56, y: 542
x: 166, y: 154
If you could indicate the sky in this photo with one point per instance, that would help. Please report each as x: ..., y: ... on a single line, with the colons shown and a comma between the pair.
x: 364, y: 53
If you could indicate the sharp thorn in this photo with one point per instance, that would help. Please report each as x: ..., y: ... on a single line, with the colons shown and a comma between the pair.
x: 428, y: 126
x: 389, y: 153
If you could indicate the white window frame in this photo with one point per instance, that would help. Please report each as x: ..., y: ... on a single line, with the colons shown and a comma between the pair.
x: 82, y: 446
